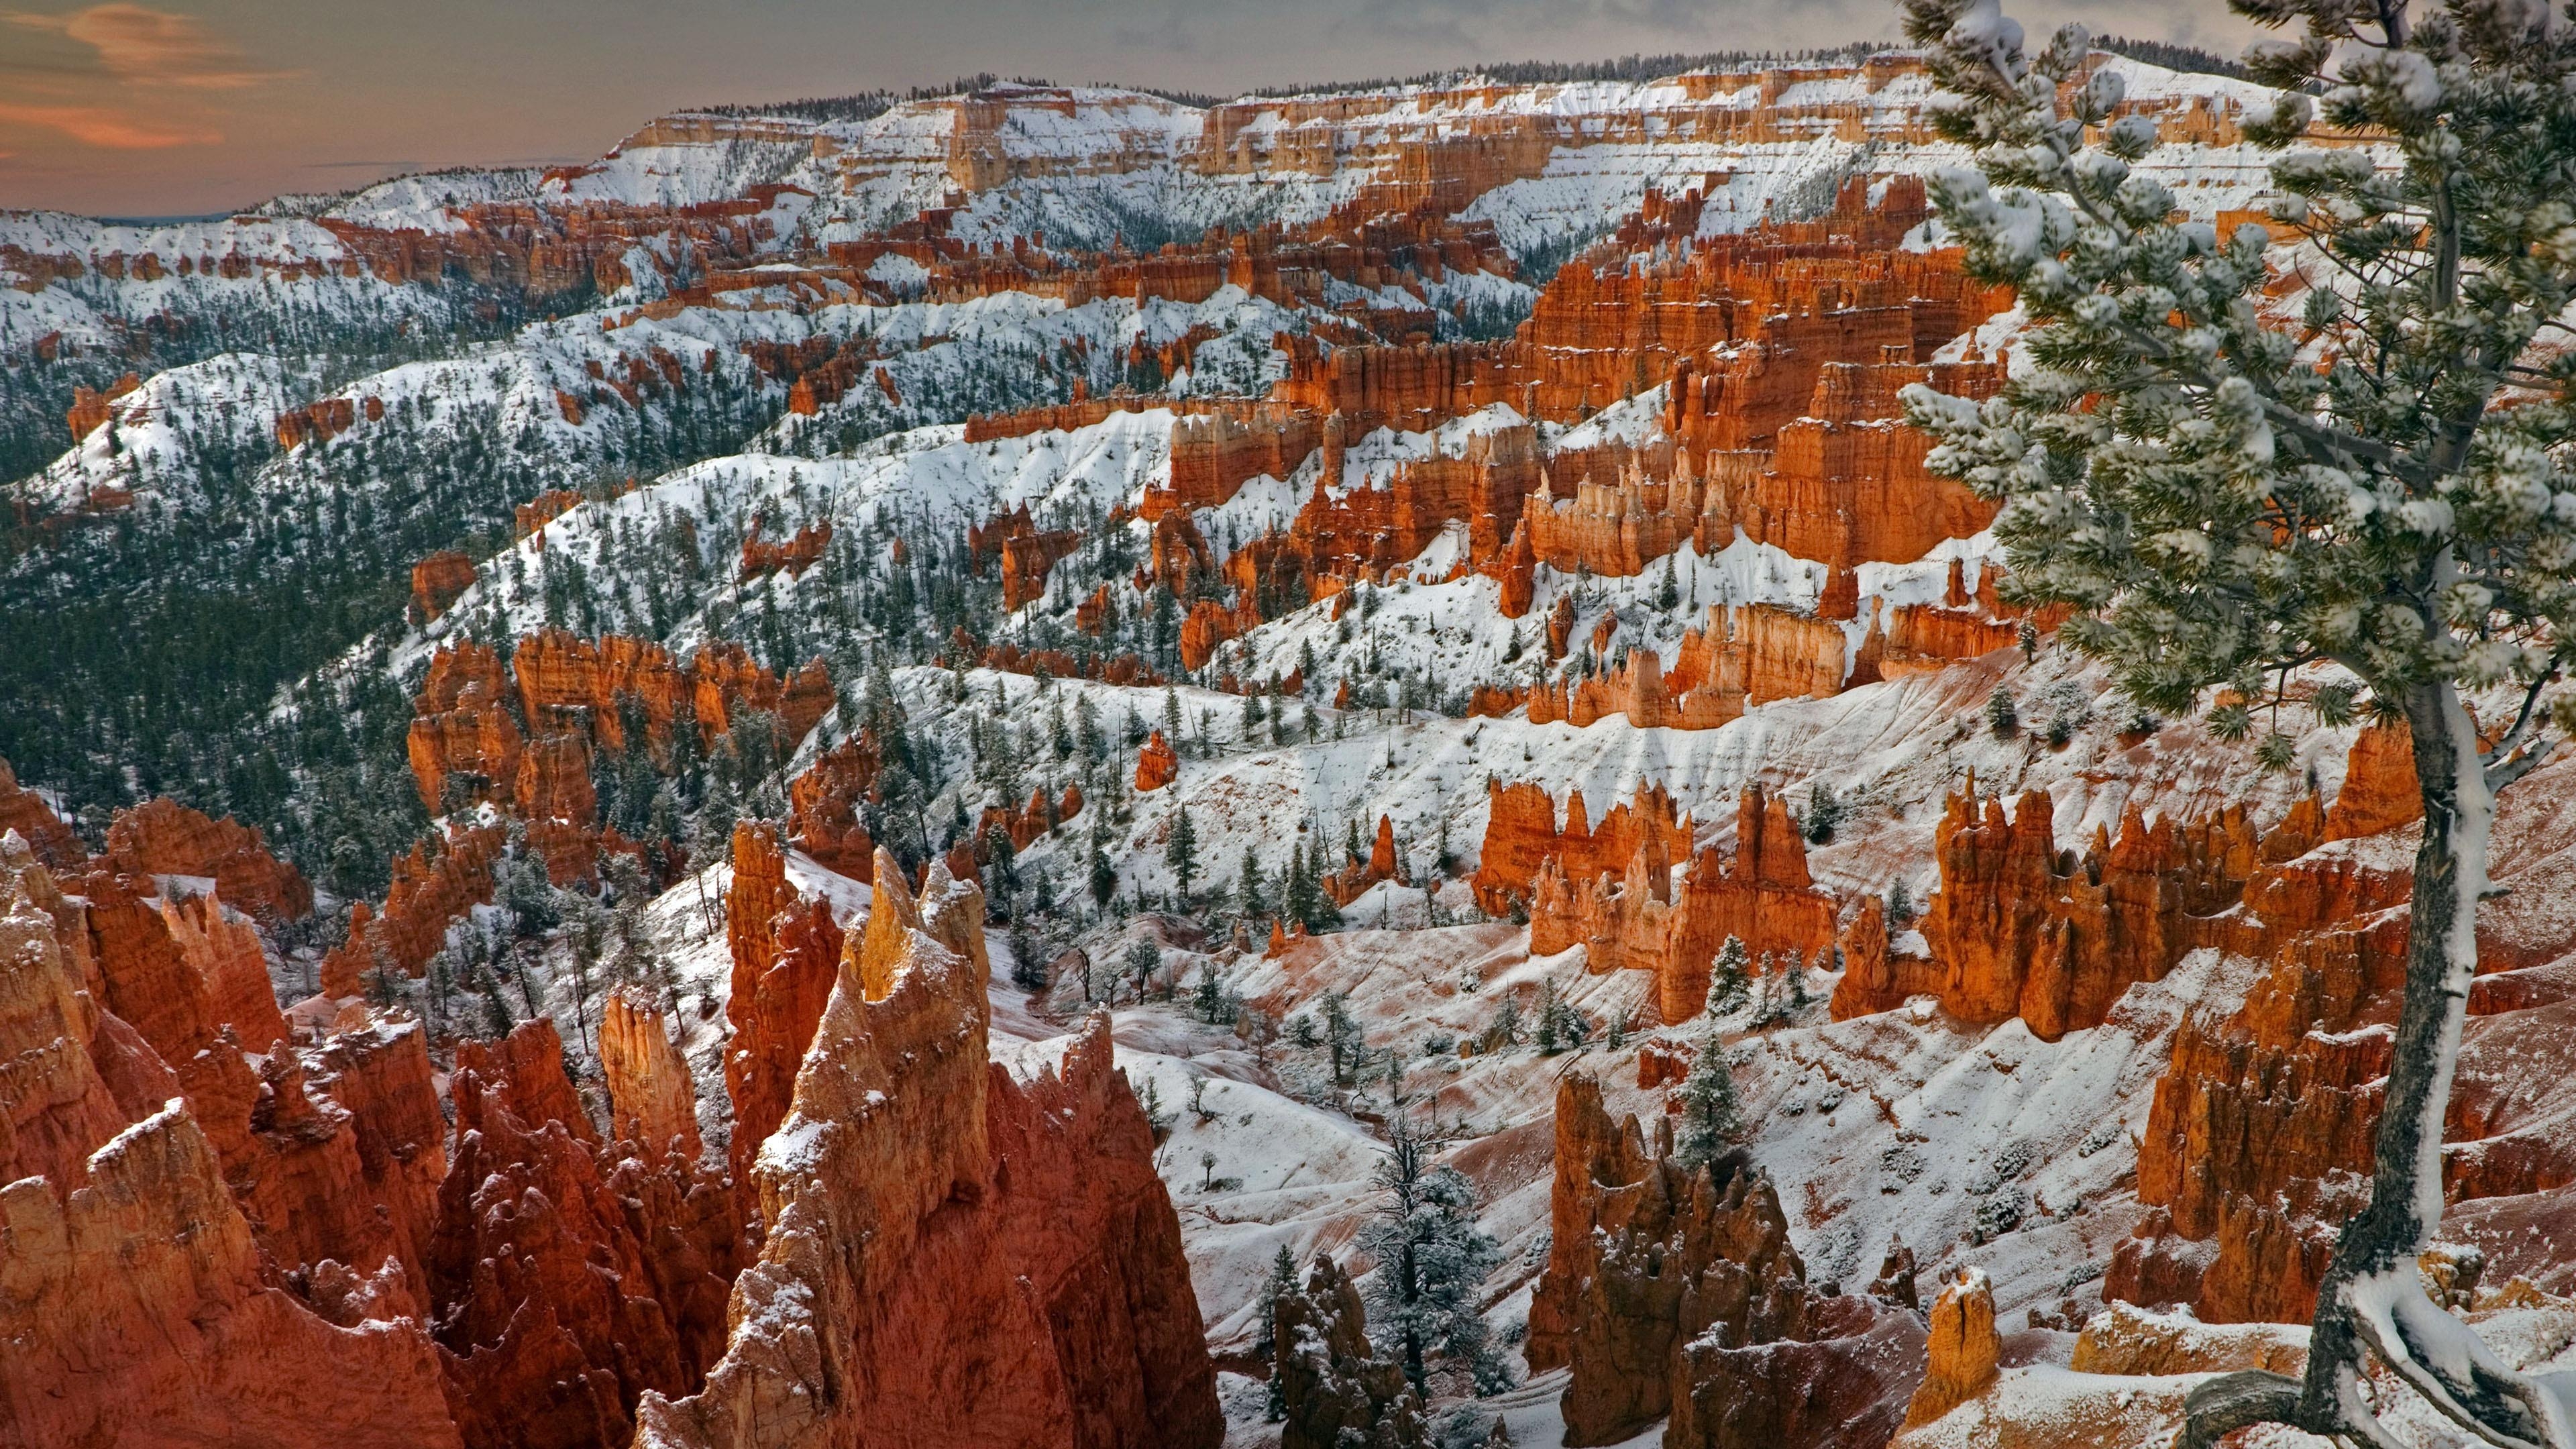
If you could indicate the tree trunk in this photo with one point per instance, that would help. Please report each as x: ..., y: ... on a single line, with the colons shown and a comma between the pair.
x: 2441, y: 958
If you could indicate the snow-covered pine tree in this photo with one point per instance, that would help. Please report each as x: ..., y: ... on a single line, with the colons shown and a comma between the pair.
x: 1431, y: 1260
x: 1711, y: 1116
x: 1726, y: 978
x: 1282, y: 1284
x: 2377, y: 489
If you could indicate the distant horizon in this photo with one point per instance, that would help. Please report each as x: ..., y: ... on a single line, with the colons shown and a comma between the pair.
x: 210, y: 107
x: 958, y: 85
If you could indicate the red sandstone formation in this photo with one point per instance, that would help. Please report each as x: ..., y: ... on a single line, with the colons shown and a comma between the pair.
x: 435, y: 883
x: 955, y: 1251
x: 650, y: 1099
x: 153, y: 1213
x: 1845, y: 1385
x: 2264, y: 1120
x: 1156, y: 764
x: 225, y: 950
x: 1347, y: 884
x: 2020, y: 930
x: 136, y: 1314
x: 532, y: 516
x: 316, y: 422
x: 436, y: 582
x: 1746, y: 655
x: 1207, y: 625
x: 1627, y: 915
x: 1027, y: 823
x: 466, y: 744
x: 761, y: 558
x: 1334, y: 1386
x: 823, y: 805
x: 1617, y: 526
x: 1645, y: 1256
x: 1215, y: 453
x: 1521, y: 836
x: 462, y: 726
x: 91, y: 407
x: 570, y: 1278
x: 27, y: 813
x: 163, y: 837
x: 570, y: 684
x: 313, y: 1178
x: 75, y: 1077
x: 1963, y: 1348
x: 1026, y: 552
x: 1124, y: 669
x: 786, y: 954
x: 2379, y: 788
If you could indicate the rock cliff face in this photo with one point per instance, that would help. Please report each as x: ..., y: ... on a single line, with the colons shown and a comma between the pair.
x: 951, y: 1254
x: 786, y: 955
x: 1025, y: 551
x: 1522, y: 836
x: 59, y: 1052
x: 792, y: 555
x: 650, y: 1099
x: 570, y: 684
x: 824, y: 804
x: 436, y: 581
x: 569, y: 1277
x: 141, y: 1304
x: 435, y: 882
x: 1844, y: 1387
x: 136, y: 1315
x: 2260, y: 1135
x: 1664, y: 1285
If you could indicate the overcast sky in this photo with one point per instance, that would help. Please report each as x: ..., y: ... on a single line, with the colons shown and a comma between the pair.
x: 202, y: 105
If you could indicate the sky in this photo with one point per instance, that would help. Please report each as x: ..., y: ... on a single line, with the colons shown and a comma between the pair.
x: 195, y: 106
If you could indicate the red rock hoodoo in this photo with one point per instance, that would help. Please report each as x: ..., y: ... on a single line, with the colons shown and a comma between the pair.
x: 954, y: 1250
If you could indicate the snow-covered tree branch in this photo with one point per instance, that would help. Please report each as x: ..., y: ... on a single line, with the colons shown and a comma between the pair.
x: 2345, y: 441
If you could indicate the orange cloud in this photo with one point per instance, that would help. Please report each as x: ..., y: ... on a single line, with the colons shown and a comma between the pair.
x: 106, y: 129
x: 156, y: 47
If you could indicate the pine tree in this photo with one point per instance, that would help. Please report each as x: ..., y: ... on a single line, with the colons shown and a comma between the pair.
x: 1028, y: 971
x: 1249, y: 892
x: 2003, y: 716
x: 1142, y: 960
x: 1727, y: 985
x: 1431, y: 1260
x: 1209, y: 1001
x: 1297, y: 895
x: 2224, y: 496
x: 1341, y: 1035
x: 1104, y: 878
x: 1181, y: 852
x: 1711, y: 1117
x: 1282, y: 1284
